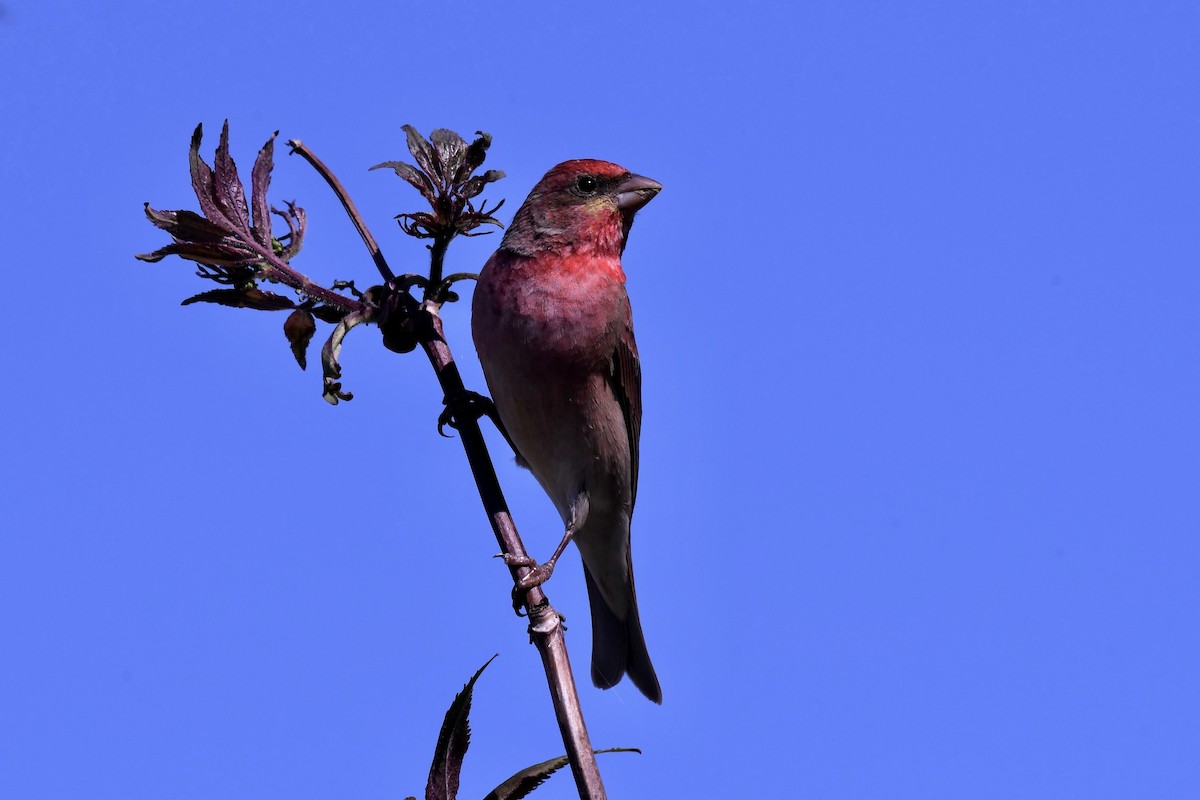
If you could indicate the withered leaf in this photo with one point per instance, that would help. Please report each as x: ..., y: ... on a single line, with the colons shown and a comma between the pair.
x: 299, y: 328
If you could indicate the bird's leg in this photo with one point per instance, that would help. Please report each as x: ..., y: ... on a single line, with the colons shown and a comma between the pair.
x: 540, y: 573
x: 472, y: 405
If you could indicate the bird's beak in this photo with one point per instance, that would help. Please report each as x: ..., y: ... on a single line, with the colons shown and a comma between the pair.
x: 635, y: 191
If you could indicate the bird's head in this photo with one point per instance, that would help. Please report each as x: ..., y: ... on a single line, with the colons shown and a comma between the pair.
x: 582, y: 206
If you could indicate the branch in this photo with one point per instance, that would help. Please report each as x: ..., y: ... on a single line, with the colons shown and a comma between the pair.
x: 545, y: 624
x: 299, y: 148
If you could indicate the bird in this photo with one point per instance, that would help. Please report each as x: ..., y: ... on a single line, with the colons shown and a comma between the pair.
x: 553, y: 328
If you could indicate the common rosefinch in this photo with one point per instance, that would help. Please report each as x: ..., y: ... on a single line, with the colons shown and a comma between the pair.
x: 553, y: 329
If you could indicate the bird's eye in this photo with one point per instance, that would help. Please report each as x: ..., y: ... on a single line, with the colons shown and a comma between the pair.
x: 586, y: 184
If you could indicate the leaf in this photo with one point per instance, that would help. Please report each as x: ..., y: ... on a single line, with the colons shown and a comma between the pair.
x: 422, y: 151
x: 328, y: 314
x: 223, y: 236
x: 260, y: 180
x: 419, y: 180
x: 331, y: 351
x: 528, y: 779
x: 242, y: 298
x: 473, y: 158
x: 299, y: 328
x: 227, y: 186
x: 450, y: 149
x: 475, y: 185
x: 452, y: 743
x: 220, y: 254
x: 202, y: 182
x: 297, y: 221
x: 185, y: 225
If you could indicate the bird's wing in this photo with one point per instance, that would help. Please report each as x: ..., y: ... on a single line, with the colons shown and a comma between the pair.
x: 625, y: 377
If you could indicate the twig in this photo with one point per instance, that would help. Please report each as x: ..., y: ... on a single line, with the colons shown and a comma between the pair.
x: 437, y: 256
x: 381, y: 264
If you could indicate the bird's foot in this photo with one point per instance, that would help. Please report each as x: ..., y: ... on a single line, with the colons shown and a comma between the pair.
x: 537, y: 575
x: 465, y: 405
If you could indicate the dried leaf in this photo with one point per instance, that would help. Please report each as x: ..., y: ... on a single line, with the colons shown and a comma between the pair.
x: 330, y: 368
x: 299, y: 328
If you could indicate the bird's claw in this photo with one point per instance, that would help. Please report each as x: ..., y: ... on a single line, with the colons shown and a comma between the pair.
x: 537, y: 575
x: 464, y: 405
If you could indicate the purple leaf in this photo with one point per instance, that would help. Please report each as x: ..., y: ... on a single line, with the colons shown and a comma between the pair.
x: 260, y: 179
x: 186, y: 225
x: 202, y: 182
x: 419, y: 180
x: 422, y: 152
x: 475, y: 185
x: 474, y: 157
x: 328, y: 314
x: 242, y: 298
x: 226, y: 255
x: 452, y: 743
x: 450, y: 149
x: 297, y: 221
x: 227, y: 186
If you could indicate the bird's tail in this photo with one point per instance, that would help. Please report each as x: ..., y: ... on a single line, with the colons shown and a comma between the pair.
x: 618, y: 646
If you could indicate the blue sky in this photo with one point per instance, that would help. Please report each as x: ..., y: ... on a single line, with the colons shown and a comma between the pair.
x: 917, y: 310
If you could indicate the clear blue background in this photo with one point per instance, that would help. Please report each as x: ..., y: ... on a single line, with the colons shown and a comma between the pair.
x: 918, y: 316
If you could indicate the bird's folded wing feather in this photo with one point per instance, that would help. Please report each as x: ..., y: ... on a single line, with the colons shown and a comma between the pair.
x: 625, y: 377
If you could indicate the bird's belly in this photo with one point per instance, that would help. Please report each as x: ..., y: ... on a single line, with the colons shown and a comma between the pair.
x: 545, y: 348
x: 570, y: 431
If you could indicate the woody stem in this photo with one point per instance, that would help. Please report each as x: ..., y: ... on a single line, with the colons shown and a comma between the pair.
x: 545, y: 626
x: 360, y: 224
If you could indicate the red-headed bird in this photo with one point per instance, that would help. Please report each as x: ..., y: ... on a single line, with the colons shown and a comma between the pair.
x: 554, y: 332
